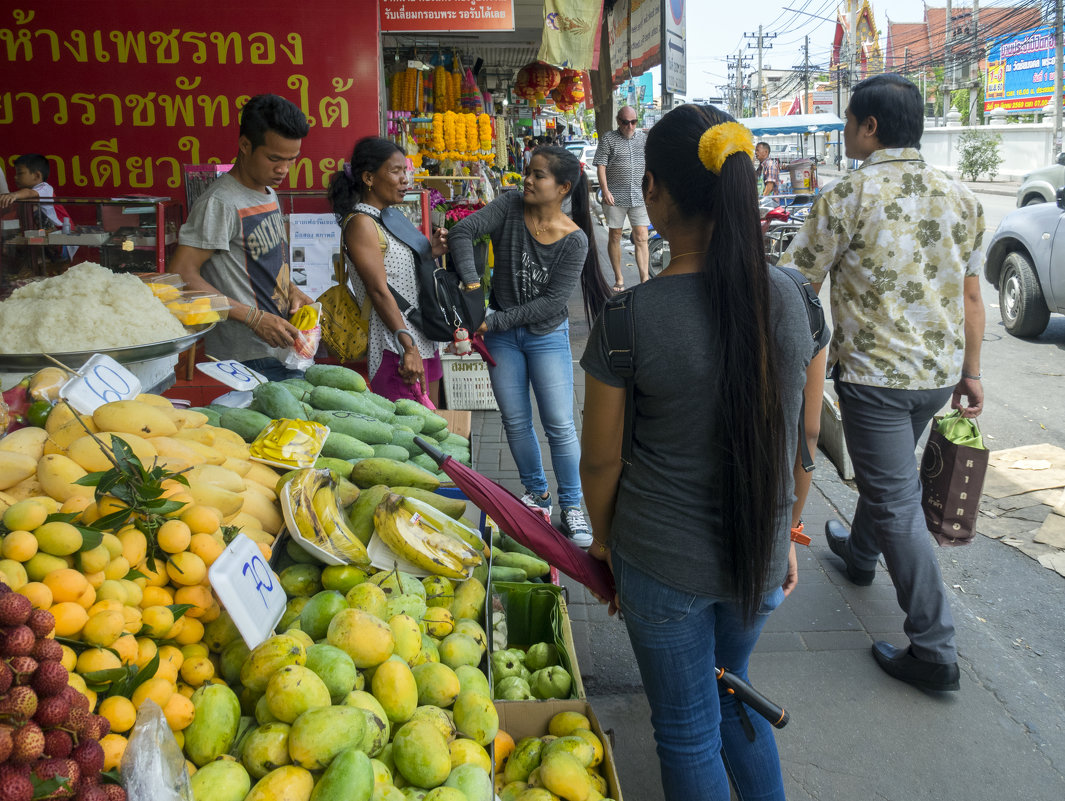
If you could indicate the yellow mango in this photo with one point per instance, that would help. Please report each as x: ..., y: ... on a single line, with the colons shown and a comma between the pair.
x: 564, y: 776
x: 60, y: 440
x: 15, y: 467
x: 57, y: 474
x: 172, y: 464
x: 186, y: 418
x: 60, y: 415
x: 154, y: 400
x: 262, y: 474
x: 266, y: 492
x: 169, y: 446
x: 27, y: 488
x: 206, y: 454
x: 134, y: 417
x: 238, y: 466
x: 28, y: 441
x: 89, y: 454
x: 287, y: 783
x: 216, y: 475
x: 267, y: 511
x: 226, y: 502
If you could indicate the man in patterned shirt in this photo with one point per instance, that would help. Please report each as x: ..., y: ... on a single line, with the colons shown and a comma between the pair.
x: 619, y: 162
x: 768, y: 169
x: 902, y: 242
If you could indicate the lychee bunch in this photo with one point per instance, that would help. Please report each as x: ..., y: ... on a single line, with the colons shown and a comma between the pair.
x: 47, y: 730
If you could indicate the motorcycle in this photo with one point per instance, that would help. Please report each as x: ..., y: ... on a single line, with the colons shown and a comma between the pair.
x: 780, y: 222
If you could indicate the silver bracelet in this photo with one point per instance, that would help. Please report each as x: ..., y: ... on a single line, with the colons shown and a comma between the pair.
x: 399, y: 345
x: 970, y: 376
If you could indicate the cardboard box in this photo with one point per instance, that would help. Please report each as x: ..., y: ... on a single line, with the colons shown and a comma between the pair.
x: 458, y: 422
x: 530, y: 718
x: 537, y: 613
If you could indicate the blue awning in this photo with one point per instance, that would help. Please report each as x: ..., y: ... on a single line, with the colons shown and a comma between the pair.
x: 793, y: 124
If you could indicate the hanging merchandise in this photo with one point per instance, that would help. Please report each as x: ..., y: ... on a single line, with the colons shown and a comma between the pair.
x: 535, y: 81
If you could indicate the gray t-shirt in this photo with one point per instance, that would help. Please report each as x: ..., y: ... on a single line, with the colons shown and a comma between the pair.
x: 246, y: 231
x: 667, y: 517
x: 531, y: 282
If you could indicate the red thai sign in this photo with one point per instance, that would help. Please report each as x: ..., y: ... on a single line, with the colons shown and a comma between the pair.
x: 119, y: 94
x: 447, y: 15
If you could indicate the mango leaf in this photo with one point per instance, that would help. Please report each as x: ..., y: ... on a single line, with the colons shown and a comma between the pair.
x: 111, y: 776
x: 43, y: 789
x: 163, y: 506
x: 90, y: 538
x: 103, y: 678
x: 75, y: 645
x: 124, y: 455
x: 134, y: 678
x: 91, y: 479
x: 61, y: 517
x: 114, y: 520
x: 110, y: 480
x: 180, y: 609
x: 134, y: 574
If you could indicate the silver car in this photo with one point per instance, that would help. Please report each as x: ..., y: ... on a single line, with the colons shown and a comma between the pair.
x: 1041, y: 186
x: 1026, y: 262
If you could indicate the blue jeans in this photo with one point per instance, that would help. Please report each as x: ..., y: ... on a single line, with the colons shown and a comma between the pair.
x: 272, y: 369
x: 545, y: 362
x: 679, y: 638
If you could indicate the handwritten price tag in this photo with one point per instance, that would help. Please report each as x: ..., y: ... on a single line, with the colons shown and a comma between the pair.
x: 232, y: 373
x: 100, y: 380
x: 249, y: 590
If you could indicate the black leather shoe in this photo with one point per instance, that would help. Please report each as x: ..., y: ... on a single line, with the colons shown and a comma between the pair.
x: 903, y: 665
x: 837, y: 537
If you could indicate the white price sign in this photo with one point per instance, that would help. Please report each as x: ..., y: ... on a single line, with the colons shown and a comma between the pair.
x: 249, y: 590
x: 232, y: 373
x: 100, y: 380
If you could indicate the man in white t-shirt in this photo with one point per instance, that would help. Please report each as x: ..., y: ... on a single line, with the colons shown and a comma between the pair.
x: 31, y: 178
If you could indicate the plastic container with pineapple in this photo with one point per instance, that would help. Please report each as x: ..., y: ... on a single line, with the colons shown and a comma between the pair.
x: 195, y: 308
x: 165, y: 286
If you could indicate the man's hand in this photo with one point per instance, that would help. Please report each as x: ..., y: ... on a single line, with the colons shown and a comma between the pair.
x: 297, y: 299
x: 276, y: 331
x: 973, y: 391
x: 608, y: 199
x: 7, y: 200
x: 439, y: 241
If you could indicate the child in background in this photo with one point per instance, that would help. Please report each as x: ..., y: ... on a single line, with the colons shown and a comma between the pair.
x: 31, y: 177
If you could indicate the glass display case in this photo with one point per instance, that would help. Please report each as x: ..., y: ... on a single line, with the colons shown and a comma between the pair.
x: 126, y: 234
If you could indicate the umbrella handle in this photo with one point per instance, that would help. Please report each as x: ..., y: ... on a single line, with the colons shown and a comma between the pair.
x: 432, y: 451
x: 744, y: 692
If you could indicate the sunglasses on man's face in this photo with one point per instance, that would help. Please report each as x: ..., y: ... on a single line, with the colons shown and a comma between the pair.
x: 626, y: 122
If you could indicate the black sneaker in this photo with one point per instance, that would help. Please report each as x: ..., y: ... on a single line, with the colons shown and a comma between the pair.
x: 541, y: 505
x: 576, y: 527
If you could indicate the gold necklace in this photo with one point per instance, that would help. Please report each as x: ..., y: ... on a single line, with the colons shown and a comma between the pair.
x: 689, y: 253
x: 537, y: 230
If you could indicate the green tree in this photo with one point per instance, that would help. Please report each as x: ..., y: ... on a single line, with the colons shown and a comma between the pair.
x: 979, y: 154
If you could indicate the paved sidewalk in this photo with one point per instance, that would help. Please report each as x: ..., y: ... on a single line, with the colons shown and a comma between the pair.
x: 855, y: 733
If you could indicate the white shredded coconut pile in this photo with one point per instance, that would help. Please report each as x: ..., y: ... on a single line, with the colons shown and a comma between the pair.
x: 86, y: 308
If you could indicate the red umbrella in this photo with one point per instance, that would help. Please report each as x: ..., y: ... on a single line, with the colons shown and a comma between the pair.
x: 525, y: 525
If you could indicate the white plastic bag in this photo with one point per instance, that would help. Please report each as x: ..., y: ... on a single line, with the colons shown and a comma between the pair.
x: 301, y: 355
x: 153, y: 766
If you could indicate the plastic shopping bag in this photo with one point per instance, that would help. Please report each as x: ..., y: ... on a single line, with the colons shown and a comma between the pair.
x: 153, y: 766
x: 309, y: 322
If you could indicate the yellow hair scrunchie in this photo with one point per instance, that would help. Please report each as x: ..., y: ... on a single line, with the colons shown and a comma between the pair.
x: 721, y: 141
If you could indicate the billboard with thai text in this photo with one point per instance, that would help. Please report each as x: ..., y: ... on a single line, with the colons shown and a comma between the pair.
x: 119, y: 94
x: 1020, y: 72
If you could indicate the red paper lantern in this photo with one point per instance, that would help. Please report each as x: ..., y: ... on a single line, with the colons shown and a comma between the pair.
x: 570, y: 89
x: 536, y: 80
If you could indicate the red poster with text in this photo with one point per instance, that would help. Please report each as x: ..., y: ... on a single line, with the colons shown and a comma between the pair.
x: 120, y: 94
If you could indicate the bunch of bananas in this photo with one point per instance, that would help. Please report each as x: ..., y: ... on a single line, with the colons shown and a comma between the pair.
x: 316, y: 513
x: 306, y: 318
x: 427, y: 538
x: 295, y: 443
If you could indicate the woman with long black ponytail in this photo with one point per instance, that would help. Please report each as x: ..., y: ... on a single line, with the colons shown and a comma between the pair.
x: 696, y: 524
x: 541, y: 253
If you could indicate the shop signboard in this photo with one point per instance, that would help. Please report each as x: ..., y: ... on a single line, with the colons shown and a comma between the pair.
x: 119, y: 94
x: 446, y: 15
x: 1020, y: 72
x: 635, y: 36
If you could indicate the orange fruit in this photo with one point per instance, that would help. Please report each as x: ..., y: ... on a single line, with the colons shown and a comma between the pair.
x: 197, y: 670
x: 157, y: 688
x: 504, y: 747
x: 120, y: 712
x: 147, y: 649
x: 206, y: 547
x: 76, y: 504
x: 114, y: 746
x: 179, y: 712
x: 19, y: 545
x: 96, y: 580
x: 70, y: 658
x: 190, y: 632
x: 127, y: 648
x: 93, y: 659
x: 173, y: 536
x: 88, y: 598
x: 66, y: 584
x: 201, y: 519
x: 198, y: 595
x: 103, y: 628
x: 186, y: 568
x: 157, y: 621
x: 156, y: 596
x: 117, y: 569
x: 154, y: 570
x: 38, y: 593
x: 212, y: 613
x: 134, y: 544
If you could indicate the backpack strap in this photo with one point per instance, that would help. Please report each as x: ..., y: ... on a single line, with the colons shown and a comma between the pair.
x: 816, y: 314
x: 619, y: 328
x: 382, y: 240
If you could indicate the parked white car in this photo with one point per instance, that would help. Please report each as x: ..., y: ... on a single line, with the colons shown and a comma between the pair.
x: 1041, y: 186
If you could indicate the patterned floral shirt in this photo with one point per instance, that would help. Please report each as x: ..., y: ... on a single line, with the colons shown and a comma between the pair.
x: 898, y: 238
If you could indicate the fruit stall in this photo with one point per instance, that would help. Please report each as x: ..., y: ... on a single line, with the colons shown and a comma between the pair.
x: 290, y: 599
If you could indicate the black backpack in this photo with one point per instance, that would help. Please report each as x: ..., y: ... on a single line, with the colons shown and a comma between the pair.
x: 443, y: 304
x: 618, y: 326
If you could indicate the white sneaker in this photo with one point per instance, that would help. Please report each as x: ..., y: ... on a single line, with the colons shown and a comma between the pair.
x: 541, y: 505
x: 576, y: 527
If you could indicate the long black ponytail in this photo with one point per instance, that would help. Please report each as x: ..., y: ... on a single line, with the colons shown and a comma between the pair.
x: 566, y: 167
x: 752, y: 431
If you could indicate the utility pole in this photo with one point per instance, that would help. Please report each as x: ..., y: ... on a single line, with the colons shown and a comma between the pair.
x: 761, y: 37
x: 1057, y: 77
x: 806, y: 77
x: 948, y: 73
